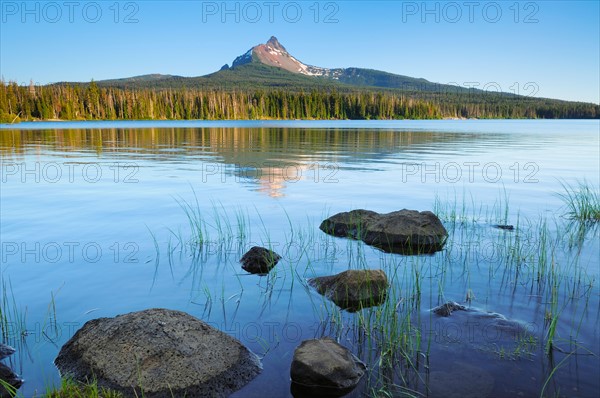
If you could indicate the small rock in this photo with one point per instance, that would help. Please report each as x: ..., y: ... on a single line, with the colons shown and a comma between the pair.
x: 259, y: 260
x: 447, y: 308
x: 353, y: 289
x: 9, y: 377
x: 322, y: 367
x: 162, y: 352
x: 404, y: 231
x: 6, y: 351
x: 505, y: 227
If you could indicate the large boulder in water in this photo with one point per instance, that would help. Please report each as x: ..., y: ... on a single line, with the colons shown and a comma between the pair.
x: 322, y: 367
x: 11, y: 379
x: 158, y: 353
x: 353, y: 289
x: 403, y: 231
x: 259, y: 260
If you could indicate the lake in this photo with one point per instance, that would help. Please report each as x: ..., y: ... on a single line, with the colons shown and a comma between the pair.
x: 95, y: 222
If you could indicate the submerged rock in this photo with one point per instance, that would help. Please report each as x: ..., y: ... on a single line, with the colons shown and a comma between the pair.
x: 479, y: 328
x: 9, y: 377
x: 505, y: 227
x: 404, y: 231
x: 461, y: 381
x: 259, y: 260
x: 447, y: 308
x: 504, y: 328
x: 162, y: 352
x: 322, y: 367
x: 487, y: 319
x: 353, y: 289
x: 6, y: 351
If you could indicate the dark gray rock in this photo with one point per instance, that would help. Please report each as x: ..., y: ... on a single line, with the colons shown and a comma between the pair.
x: 259, y: 260
x: 404, y: 231
x: 505, y: 227
x: 322, y: 367
x: 162, y: 352
x: 352, y: 224
x: 446, y: 309
x: 353, y: 289
x: 9, y: 377
x: 6, y: 351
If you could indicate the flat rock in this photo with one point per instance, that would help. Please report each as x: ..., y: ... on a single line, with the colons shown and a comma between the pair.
x: 468, y: 328
x: 353, y: 289
x: 158, y: 353
x: 322, y: 367
x: 404, y: 231
x: 259, y: 260
x: 486, y: 319
x: 9, y: 377
x: 504, y: 328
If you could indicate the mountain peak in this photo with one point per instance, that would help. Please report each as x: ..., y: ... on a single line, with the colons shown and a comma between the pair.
x: 273, y: 53
x: 274, y: 43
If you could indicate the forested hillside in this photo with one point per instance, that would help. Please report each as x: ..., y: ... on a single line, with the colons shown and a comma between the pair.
x: 93, y: 102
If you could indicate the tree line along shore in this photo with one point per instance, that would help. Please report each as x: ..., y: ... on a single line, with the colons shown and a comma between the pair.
x: 91, y: 101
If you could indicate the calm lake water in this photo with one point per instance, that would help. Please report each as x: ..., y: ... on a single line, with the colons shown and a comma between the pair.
x: 93, y: 225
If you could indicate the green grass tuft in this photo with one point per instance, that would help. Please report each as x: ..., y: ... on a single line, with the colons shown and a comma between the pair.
x: 74, y: 389
x: 582, y: 201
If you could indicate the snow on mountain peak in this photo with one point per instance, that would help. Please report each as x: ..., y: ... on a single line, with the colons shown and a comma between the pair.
x: 273, y: 53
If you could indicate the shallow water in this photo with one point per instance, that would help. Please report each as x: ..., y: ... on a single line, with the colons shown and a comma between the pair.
x: 92, y: 225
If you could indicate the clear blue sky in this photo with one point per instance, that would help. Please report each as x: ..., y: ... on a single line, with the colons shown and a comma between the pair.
x: 552, y: 44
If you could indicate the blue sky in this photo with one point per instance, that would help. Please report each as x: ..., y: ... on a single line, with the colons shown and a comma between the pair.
x: 541, y: 48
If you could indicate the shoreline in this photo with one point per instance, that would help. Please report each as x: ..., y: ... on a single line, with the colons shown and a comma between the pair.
x: 59, y: 121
